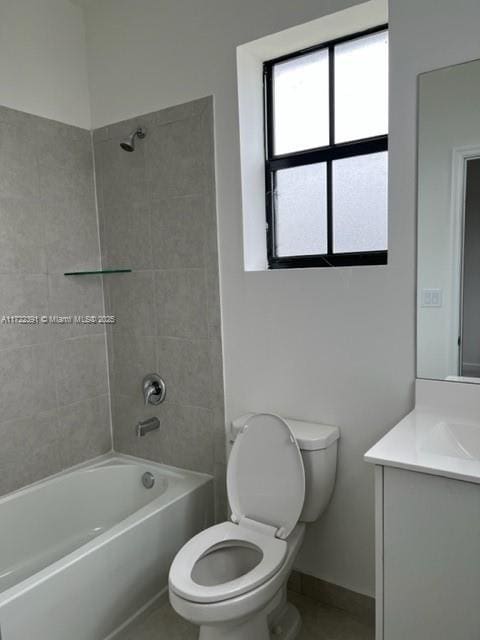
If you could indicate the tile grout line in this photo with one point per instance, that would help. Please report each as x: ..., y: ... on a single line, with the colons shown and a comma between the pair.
x: 105, y: 331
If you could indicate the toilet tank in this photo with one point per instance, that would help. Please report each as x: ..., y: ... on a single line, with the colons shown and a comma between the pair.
x: 318, y: 446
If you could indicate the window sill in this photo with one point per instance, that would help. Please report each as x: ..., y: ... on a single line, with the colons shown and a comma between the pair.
x: 366, y: 258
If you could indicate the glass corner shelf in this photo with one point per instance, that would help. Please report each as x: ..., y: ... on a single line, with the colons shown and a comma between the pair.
x: 96, y: 272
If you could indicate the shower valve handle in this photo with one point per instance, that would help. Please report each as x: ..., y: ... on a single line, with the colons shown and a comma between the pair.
x: 154, y: 389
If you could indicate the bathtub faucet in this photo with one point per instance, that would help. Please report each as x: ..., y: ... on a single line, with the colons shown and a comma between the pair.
x: 145, y: 427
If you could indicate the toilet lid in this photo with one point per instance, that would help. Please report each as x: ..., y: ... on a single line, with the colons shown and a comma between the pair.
x: 265, y: 475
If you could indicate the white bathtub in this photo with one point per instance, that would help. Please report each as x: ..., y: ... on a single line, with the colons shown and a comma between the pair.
x: 84, y: 551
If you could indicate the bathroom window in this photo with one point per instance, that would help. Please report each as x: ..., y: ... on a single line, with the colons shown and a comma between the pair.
x: 326, y: 141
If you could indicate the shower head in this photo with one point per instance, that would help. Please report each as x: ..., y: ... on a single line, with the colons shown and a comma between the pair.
x: 128, y: 144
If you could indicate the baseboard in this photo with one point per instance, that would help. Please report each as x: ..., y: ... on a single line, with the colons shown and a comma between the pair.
x: 357, y: 604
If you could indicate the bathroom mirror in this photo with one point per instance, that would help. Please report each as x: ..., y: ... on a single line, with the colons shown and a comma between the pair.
x: 448, y: 291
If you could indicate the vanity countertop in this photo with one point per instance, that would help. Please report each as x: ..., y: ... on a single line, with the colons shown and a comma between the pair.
x: 441, y: 436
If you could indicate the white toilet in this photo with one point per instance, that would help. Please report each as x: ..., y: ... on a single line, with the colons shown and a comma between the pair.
x: 231, y: 578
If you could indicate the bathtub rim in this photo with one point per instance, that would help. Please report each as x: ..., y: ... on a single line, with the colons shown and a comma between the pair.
x: 134, y: 519
x: 104, y: 460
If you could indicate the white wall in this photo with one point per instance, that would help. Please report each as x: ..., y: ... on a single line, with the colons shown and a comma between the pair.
x: 43, y: 60
x: 331, y: 345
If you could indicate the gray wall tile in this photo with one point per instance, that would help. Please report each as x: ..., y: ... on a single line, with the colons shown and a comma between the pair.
x: 28, y: 452
x: 27, y: 384
x: 211, y: 269
x: 19, y: 176
x: 130, y: 297
x: 80, y: 369
x: 121, y: 174
x: 47, y: 443
x: 85, y: 430
x: 175, y: 161
x: 22, y: 243
x: 178, y: 232
x: 100, y: 135
x: 71, y: 235
x: 48, y: 225
x: 131, y: 358
x: 71, y: 296
x: 185, y: 437
x: 22, y: 294
x: 183, y: 111
x: 127, y: 411
x: 181, y: 303
x: 65, y: 163
x: 168, y: 318
x: 119, y: 130
x: 157, y: 211
x: 185, y: 366
x: 126, y: 236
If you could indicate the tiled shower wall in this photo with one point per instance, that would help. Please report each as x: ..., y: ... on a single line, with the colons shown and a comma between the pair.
x: 157, y: 216
x: 54, y: 409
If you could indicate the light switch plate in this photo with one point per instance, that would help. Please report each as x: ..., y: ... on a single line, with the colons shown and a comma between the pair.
x: 432, y: 298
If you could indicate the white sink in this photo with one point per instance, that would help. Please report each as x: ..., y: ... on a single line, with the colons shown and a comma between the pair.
x: 441, y: 436
x: 453, y: 439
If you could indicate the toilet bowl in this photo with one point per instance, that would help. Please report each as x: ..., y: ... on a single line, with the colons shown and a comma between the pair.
x: 231, y: 578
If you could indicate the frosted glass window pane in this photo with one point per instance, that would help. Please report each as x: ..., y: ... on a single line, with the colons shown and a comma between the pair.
x: 360, y: 203
x: 301, y: 210
x: 361, y: 88
x: 300, y: 95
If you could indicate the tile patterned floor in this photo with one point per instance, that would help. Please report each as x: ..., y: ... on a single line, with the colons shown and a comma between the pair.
x: 319, y: 622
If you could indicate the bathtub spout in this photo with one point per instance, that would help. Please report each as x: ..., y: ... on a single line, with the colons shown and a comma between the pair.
x: 146, y: 426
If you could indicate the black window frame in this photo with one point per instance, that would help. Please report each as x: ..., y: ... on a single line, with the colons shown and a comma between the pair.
x: 329, y: 153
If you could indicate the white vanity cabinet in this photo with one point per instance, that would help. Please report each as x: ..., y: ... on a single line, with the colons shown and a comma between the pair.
x: 428, y: 556
x: 427, y: 511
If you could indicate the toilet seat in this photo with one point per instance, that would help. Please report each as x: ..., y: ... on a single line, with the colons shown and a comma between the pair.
x: 265, y: 474
x: 266, y: 491
x: 273, y: 552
